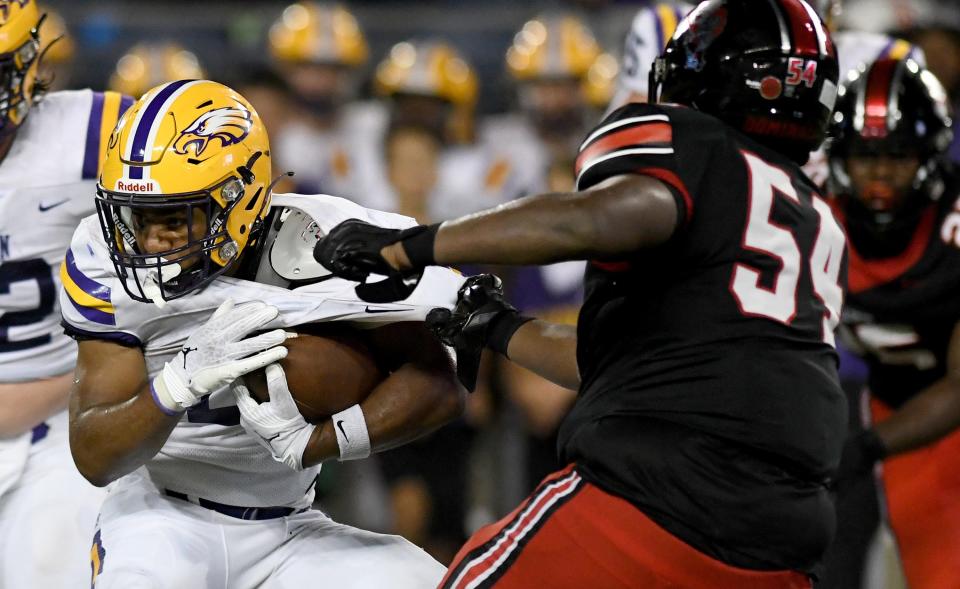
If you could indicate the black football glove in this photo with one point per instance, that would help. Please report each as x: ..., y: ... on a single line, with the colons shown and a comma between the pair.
x: 481, y: 318
x: 351, y: 250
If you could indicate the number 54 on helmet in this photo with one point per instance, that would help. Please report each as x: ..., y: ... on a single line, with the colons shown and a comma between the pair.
x: 184, y: 188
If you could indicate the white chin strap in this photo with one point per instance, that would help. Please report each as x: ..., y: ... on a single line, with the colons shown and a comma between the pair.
x: 152, y: 286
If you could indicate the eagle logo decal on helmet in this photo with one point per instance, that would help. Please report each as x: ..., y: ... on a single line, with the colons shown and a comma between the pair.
x: 228, y: 125
x: 5, y: 7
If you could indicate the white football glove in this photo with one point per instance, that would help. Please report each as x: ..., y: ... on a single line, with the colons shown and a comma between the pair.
x: 216, y: 354
x: 276, y: 424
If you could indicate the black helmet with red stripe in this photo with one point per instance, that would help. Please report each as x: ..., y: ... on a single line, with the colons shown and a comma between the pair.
x: 766, y: 67
x: 890, y: 111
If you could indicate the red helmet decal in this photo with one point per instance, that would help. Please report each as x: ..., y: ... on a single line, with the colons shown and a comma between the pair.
x: 876, y: 98
x: 807, y: 32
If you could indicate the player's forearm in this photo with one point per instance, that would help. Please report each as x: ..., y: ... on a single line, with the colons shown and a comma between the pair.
x: 549, y: 350
x: 923, y: 419
x: 615, y: 218
x: 411, y: 402
x: 23, y: 405
x: 111, y: 440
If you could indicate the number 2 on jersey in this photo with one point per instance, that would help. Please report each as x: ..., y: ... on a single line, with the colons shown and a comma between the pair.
x: 765, y: 236
x: 26, y: 271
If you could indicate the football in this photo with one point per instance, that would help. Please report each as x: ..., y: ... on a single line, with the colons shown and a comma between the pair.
x: 328, y: 368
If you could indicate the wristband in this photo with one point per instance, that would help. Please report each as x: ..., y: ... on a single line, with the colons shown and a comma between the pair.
x: 417, y: 243
x: 351, y: 430
x: 503, y: 328
x: 873, y: 447
x: 162, y: 397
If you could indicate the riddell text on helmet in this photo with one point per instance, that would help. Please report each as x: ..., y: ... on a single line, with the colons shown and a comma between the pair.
x: 125, y: 185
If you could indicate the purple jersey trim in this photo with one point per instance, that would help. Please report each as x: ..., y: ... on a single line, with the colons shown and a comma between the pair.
x: 89, y: 286
x: 91, y: 154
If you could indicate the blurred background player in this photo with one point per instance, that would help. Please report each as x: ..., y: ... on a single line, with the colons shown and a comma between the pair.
x: 562, y: 80
x: 897, y: 197
x: 650, y: 30
x: 59, y: 50
x: 51, y: 146
x: 147, y: 65
x: 318, y: 49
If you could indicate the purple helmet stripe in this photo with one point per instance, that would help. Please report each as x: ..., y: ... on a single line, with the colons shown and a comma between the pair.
x: 137, y: 152
x: 91, y: 154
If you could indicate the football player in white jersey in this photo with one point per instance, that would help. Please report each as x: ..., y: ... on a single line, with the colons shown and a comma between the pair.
x: 650, y: 30
x: 48, y: 169
x: 206, y: 494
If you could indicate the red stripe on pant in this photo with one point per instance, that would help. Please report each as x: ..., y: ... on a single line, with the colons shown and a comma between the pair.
x: 922, y: 490
x: 570, y: 534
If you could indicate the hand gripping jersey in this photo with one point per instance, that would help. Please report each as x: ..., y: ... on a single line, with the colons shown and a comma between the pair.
x: 709, y: 393
x: 47, y: 184
x: 902, y: 311
x: 208, y: 454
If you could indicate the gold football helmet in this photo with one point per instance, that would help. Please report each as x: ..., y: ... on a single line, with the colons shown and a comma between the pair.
x: 19, y: 49
x: 427, y: 69
x: 552, y: 46
x: 55, y: 40
x: 195, y: 154
x: 146, y: 65
x: 311, y: 32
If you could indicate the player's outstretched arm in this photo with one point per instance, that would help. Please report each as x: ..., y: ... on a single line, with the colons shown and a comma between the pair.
x: 922, y: 420
x: 617, y: 217
x: 420, y: 395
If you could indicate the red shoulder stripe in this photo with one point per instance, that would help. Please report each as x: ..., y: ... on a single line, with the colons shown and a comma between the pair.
x: 635, y: 135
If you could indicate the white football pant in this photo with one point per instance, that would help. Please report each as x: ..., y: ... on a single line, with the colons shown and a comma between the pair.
x: 149, y: 540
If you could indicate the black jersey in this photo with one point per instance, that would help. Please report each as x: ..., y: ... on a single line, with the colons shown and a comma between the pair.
x: 709, y: 393
x: 901, y: 311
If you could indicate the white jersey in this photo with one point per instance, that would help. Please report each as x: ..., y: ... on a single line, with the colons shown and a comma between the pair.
x: 470, y: 178
x: 332, y: 161
x: 649, y: 32
x: 854, y: 49
x: 47, y: 184
x: 208, y: 454
x: 522, y: 160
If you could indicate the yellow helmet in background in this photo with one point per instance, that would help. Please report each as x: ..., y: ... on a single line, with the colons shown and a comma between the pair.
x: 193, y: 146
x: 57, y: 46
x: 146, y: 65
x: 552, y: 46
x: 19, y: 49
x: 427, y: 69
x: 311, y: 32
x: 600, y: 81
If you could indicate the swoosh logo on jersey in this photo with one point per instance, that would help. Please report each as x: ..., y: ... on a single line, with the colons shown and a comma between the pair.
x: 272, y: 438
x: 367, y: 309
x: 340, y: 425
x: 44, y: 208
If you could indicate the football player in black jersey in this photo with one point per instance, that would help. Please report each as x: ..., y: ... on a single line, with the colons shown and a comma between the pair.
x: 897, y: 197
x: 709, y: 417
